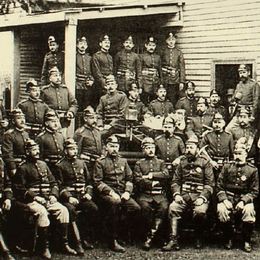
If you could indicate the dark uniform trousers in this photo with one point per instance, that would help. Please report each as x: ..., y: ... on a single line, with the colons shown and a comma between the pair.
x: 114, y: 174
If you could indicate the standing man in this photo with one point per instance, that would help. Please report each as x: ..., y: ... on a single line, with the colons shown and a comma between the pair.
x: 173, y: 68
x: 84, y: 79
x: 150, y: 175
x: 13, y: 142
x: 102, y: 65
x: 37, y: 187
x: 33, y: 108
x: 54, y: 58
x: 189, y: 101
x: 237, y: 188
x: 151, y: 70
x: 88, y: 138
x: 248, y: 90
x: 192, y: 187
x: 114, y: 184
x: 127, y: 66
x: 214, y: 104
x: 58, y: 97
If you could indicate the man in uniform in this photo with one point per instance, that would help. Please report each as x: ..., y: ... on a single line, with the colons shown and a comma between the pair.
x: 102, y: 65
x: 113, y: 181
x: 13, y: 142
x: 237, y: 188
x: 231, y: 108
x: 76, y: 192
x: 36, y: 186
x: 248, y: 90
x: 150, y: 174
x: 169, y: 146
x: 33, y: 108
x: 58, y: 97
x: 219, y: 143
x: 244, y: 131
x: 84, y: 78
x: 214, y: 104
x: 192, y: 187
x: 112, y: 105
x: 161, y: 106
x: 173, y: 68
x: 127, y: 66
x: 201, y: 122
x: 54, y: 58
x: 151, y: 70
x: 188, y: 102
x: 88, y: 138
x: 51, y: 141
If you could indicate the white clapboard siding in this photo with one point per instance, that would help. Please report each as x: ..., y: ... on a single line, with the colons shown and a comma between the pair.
x: 218, y: 30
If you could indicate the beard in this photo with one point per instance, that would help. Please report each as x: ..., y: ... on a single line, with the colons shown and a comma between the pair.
x: 167, y: 134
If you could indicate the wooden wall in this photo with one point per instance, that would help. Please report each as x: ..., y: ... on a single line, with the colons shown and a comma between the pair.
x: 219, y: 30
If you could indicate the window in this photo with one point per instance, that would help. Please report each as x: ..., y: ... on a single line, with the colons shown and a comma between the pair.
x: 225, y: 75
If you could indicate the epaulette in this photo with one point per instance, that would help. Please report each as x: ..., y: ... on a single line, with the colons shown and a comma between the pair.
x: 102, y: 157
x: 252, y: 80
x: 22, y: 101
x: 46, y: 86
x: 9, y: 131
x: 158, y: 137
x: 121, y: 92
x: 182, y: 98
x: 80, y: 130
x: 63, y: 86
x: 251, y: 165
x: 42, y: 133
x: 153, y: 101
x: 59, y: 161
x: 177, y: 137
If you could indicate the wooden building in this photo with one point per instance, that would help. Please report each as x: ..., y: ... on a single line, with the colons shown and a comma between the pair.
x: 214, y: 35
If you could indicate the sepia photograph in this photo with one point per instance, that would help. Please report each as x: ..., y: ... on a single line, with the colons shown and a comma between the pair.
x: 129, y: 129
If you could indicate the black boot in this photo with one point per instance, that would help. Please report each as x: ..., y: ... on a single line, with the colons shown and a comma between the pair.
x: 247, y: 234
x: 173, y: 242
x: 116, y: 247
x: 79, y: 248
x: 43, y: 232
x: 199, y: 221
x: 228, y: 232
x: 66, y: 248
x: 149, y: 239
x: 5, y: 250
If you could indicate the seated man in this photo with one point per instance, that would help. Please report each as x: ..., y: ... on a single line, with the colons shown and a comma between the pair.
x: 161, y: 106
x: 113, y: 181
x: 237, y: 187
x: 37, y: 187
x: 76, y: 192
x: 192, y: 187
x: 150, y: 174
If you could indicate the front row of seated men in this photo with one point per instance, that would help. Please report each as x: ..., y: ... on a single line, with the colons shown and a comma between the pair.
x: 69, y: 188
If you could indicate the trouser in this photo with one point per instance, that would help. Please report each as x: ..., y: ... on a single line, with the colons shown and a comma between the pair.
x: 88, y: 218
x: 113, y: 209
x: 56, y: 209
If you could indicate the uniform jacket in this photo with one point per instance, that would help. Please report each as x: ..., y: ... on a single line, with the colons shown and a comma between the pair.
x: 219, y: 144
x: 161, y: 108
x: 34, y: 110
x: 112, y: 105
x: 112, y: 174
x: 59, y: 98
x: 51, y: 144
x: 173, y: 58
x: 170, y: 148
x: 238, y: 182
x: 250, y: 94
x: 188, y: 104
x: 83, y: 69
x: 52, y: 60
x: 33, y: 178
x: 218, y: 109
x: 73, y: 173
x: 102, y: 66
x: 147, y: 186
x: 13, y: 146
x: 88, y: 140
x: 127, y: 61
x: 151, y: 71
x: 197, y: 172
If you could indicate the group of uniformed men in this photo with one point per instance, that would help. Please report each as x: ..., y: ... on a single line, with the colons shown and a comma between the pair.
x: 74, y: 181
